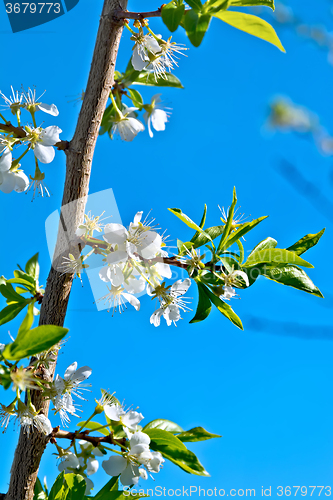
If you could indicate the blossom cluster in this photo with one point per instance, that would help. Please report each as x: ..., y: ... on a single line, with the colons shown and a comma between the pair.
x: 136, y: 262
x: 32, y: 137
x: 135, y: 461
x: 151, y: 54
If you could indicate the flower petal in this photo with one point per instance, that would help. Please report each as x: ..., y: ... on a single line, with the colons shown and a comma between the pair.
x: 131, y: 419
x: 115, y: 233
x: 117, y: 257
x: 155, y: 318
x: 50, y: 135
x: 50, y: 109
x: 43, y: 153
x: 115, y: 465
x: 158, y: 119
x: 131, y: 475
x: 6, y: 160
x: 134, y: 301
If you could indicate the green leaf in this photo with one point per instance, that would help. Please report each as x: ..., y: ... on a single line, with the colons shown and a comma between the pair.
x: 189, y: 222
x: 10, y: 312
x: 251, y: 24
x: 146, y: 78
x: 224, y: 308
x: 31, y: 287
x: 94, y: 425
x: 59, y: 488
x: 201, y: 239
x: 242, y: 230
x: 204, y: 306
x: 196, y: 434
x: 276, y: 256
x: 267, y: 243
x: 174, y: 450
x: 34, y: 341
x: 10, y: 294
x: 172, y: 14
x: 136, y: 97
x: 110, y: 486
x: 165, y: 425
x: 2, y: 280
x: 5, y: 379
x: 292, y: 276
x: 27, y: 322
x: 213, y: 6
x: 39, y: 493
x: 201, y: 225
x: 228, y: 225
x: 308, y: 241
x: 77, y: 486
x: 252, y: 3
x: 195, y: 4
x: 32, y: 267
x: 196, y: 25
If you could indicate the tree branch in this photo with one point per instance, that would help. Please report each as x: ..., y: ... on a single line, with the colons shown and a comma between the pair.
x: 79, y: 158
x: 94, y: 440
x: 20, y: 133
x: 140, y: 16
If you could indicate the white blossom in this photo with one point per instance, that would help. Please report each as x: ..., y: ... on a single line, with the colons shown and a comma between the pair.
x: 145, y: 46
x: 170, y: 302
x: 117, y: 297
x: 126, y: 125
x: 70, y: 463
x: 42, y: 141
x: 13, y: 181
x: 33, y: 104
x: 129, y: 419
x: 128, y: 465
x: 155, y: 116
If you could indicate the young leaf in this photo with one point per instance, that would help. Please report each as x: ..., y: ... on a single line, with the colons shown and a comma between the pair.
x: 202, y: 223
x: 308, y: 241
x: 10, y: 294
x: 267, y: 243
x: 224, y: 308
x: 243, y: 229
x: 165, y: 425
x: 136, y: 97
x: 196, y: 25
x: 34, y: 341
x: 196, y: 434
x: 277, y: 256
x: 228, y: 225
x: 175, y: 451
x: 10, y: 312
x: 77, y: 486
x: 292, y: 276
x: 201, y: 239
x: 251, y: 24
x: 59, y: 488
x: 195, y: 4
x: 110, y: 486
x: 172, y: 14
x: 252, y: 3
x: 145, y: 78
x: 204, y: 306
x: 32, y: 267
x: 94, y: 425
x: 27, y: 322
x: 189, y: 222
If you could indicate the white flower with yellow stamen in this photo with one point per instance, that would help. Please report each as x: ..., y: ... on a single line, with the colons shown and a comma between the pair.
x: 34, y: 104
x: 170, y: 302
x: 42, y: 141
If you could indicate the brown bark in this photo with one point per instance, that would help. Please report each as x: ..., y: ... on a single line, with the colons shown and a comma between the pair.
x: 78, y: 167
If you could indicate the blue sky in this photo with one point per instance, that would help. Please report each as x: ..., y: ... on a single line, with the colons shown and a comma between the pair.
x: 267, y: 390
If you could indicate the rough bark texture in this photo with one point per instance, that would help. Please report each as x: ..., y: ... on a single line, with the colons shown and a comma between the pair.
x: 78, y: 167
